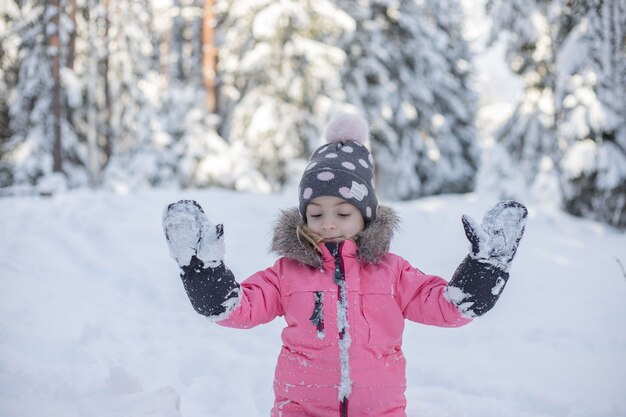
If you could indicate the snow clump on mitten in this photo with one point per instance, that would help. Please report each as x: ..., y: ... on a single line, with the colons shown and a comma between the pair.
x: 189, y: 232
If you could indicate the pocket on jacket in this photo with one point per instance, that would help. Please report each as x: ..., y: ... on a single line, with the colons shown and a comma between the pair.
x: 309, y: 312
x: 384, y: 321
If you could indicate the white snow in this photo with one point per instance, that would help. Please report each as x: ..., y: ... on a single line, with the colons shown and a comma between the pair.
x: 456, y: 296
x: 580, y: 159
x: 498, y: 234
x: 94, y: 320
x: 190, y: 233
x: 497, y: 289
x: 184, y: 224
x: 343, y: 326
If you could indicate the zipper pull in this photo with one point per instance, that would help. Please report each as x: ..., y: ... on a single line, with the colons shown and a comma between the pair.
x: 317, y: 318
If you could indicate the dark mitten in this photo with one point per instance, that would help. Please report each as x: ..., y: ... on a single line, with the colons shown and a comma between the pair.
x: 479, y: 280
x: 198, y: 248
x: 213, y: 291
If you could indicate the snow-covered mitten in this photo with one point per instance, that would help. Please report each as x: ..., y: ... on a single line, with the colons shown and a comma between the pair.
x: 189, y: 232
x: 198, y: 248
x: 480, y: 278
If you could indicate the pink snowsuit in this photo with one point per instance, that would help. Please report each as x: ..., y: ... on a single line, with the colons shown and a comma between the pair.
x: 382, y: 292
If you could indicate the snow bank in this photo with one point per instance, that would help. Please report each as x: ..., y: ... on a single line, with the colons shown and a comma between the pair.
x: 94, y: 320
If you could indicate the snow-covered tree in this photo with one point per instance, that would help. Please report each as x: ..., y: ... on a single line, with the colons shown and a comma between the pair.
x: 184, y: 89
x: 529, y: 135
x: 591, y: 98
x: 279, y: 76
x: 9, y: 12
x: 408, y: 68
x: 43, y: 142
x: 138, y: 156
x: 96, y: 111
x: 569, y: 123
x: 197, y: 155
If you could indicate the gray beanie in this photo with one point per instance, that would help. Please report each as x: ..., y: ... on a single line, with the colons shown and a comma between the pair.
x: 342, y: 168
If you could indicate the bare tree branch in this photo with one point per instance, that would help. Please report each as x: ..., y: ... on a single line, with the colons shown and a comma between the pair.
x: 621, y: 266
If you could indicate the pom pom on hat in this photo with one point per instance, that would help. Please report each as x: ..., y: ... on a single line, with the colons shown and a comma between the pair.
x: 344, y: 127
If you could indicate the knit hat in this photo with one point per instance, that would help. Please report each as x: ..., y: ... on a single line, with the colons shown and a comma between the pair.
x: 342, y: 168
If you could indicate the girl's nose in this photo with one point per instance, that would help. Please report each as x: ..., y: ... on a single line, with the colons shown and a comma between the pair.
x: 328, y: 224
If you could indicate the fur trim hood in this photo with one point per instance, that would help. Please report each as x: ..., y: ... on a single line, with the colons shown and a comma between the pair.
x: 372, y: 243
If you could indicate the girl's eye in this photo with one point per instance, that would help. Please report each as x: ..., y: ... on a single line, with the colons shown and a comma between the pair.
x: 344, y: 214
x: 315, y: 216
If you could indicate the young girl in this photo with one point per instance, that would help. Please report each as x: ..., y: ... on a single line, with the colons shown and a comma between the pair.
x: 343, y: 296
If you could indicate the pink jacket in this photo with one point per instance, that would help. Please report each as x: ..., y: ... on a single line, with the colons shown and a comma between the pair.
x: 383, y: 290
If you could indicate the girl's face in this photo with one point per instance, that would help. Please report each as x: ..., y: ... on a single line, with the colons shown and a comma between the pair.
x: 333, y: 218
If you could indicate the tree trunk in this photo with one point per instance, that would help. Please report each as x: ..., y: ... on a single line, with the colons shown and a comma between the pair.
x: 107, y: 111
x: 54, y: 42
x: 176, y: 40
x: 71, y: 54
x: 71, y: 47
x: 209, y: 56
x: 93, y: 106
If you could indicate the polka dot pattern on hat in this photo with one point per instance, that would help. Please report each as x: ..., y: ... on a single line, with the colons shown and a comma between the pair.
x: 342, y: 168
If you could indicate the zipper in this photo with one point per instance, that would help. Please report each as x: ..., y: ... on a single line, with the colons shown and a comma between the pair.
x: 343, y: 408
x: 335, y: 250
x: 340, y: 279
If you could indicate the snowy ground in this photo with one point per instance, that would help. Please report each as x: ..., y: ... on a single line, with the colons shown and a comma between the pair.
x: 94, y: 320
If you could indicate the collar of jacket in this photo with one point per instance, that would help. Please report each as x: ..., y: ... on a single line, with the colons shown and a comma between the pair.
x: 370, y: 245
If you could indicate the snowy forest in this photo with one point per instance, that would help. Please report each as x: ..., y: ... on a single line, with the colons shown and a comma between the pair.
x: 125, y: 95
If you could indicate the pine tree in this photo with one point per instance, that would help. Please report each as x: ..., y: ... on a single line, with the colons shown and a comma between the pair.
x: 183, y: 89
x: 9, y: 12
x: 196, y: 155
x: 530, y: 134
x: 592, y: 104
x: 43, y: 141
x: 94, y: 114
x: 408, y: 68
x: 569, y: 124
x: 138, y: 155
x: 279, y: 76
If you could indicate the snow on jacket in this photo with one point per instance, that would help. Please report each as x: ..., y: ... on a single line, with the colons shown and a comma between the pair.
x: 383, y: 290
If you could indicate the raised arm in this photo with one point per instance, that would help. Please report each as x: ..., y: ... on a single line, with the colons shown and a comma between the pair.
x: 198, y: 248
